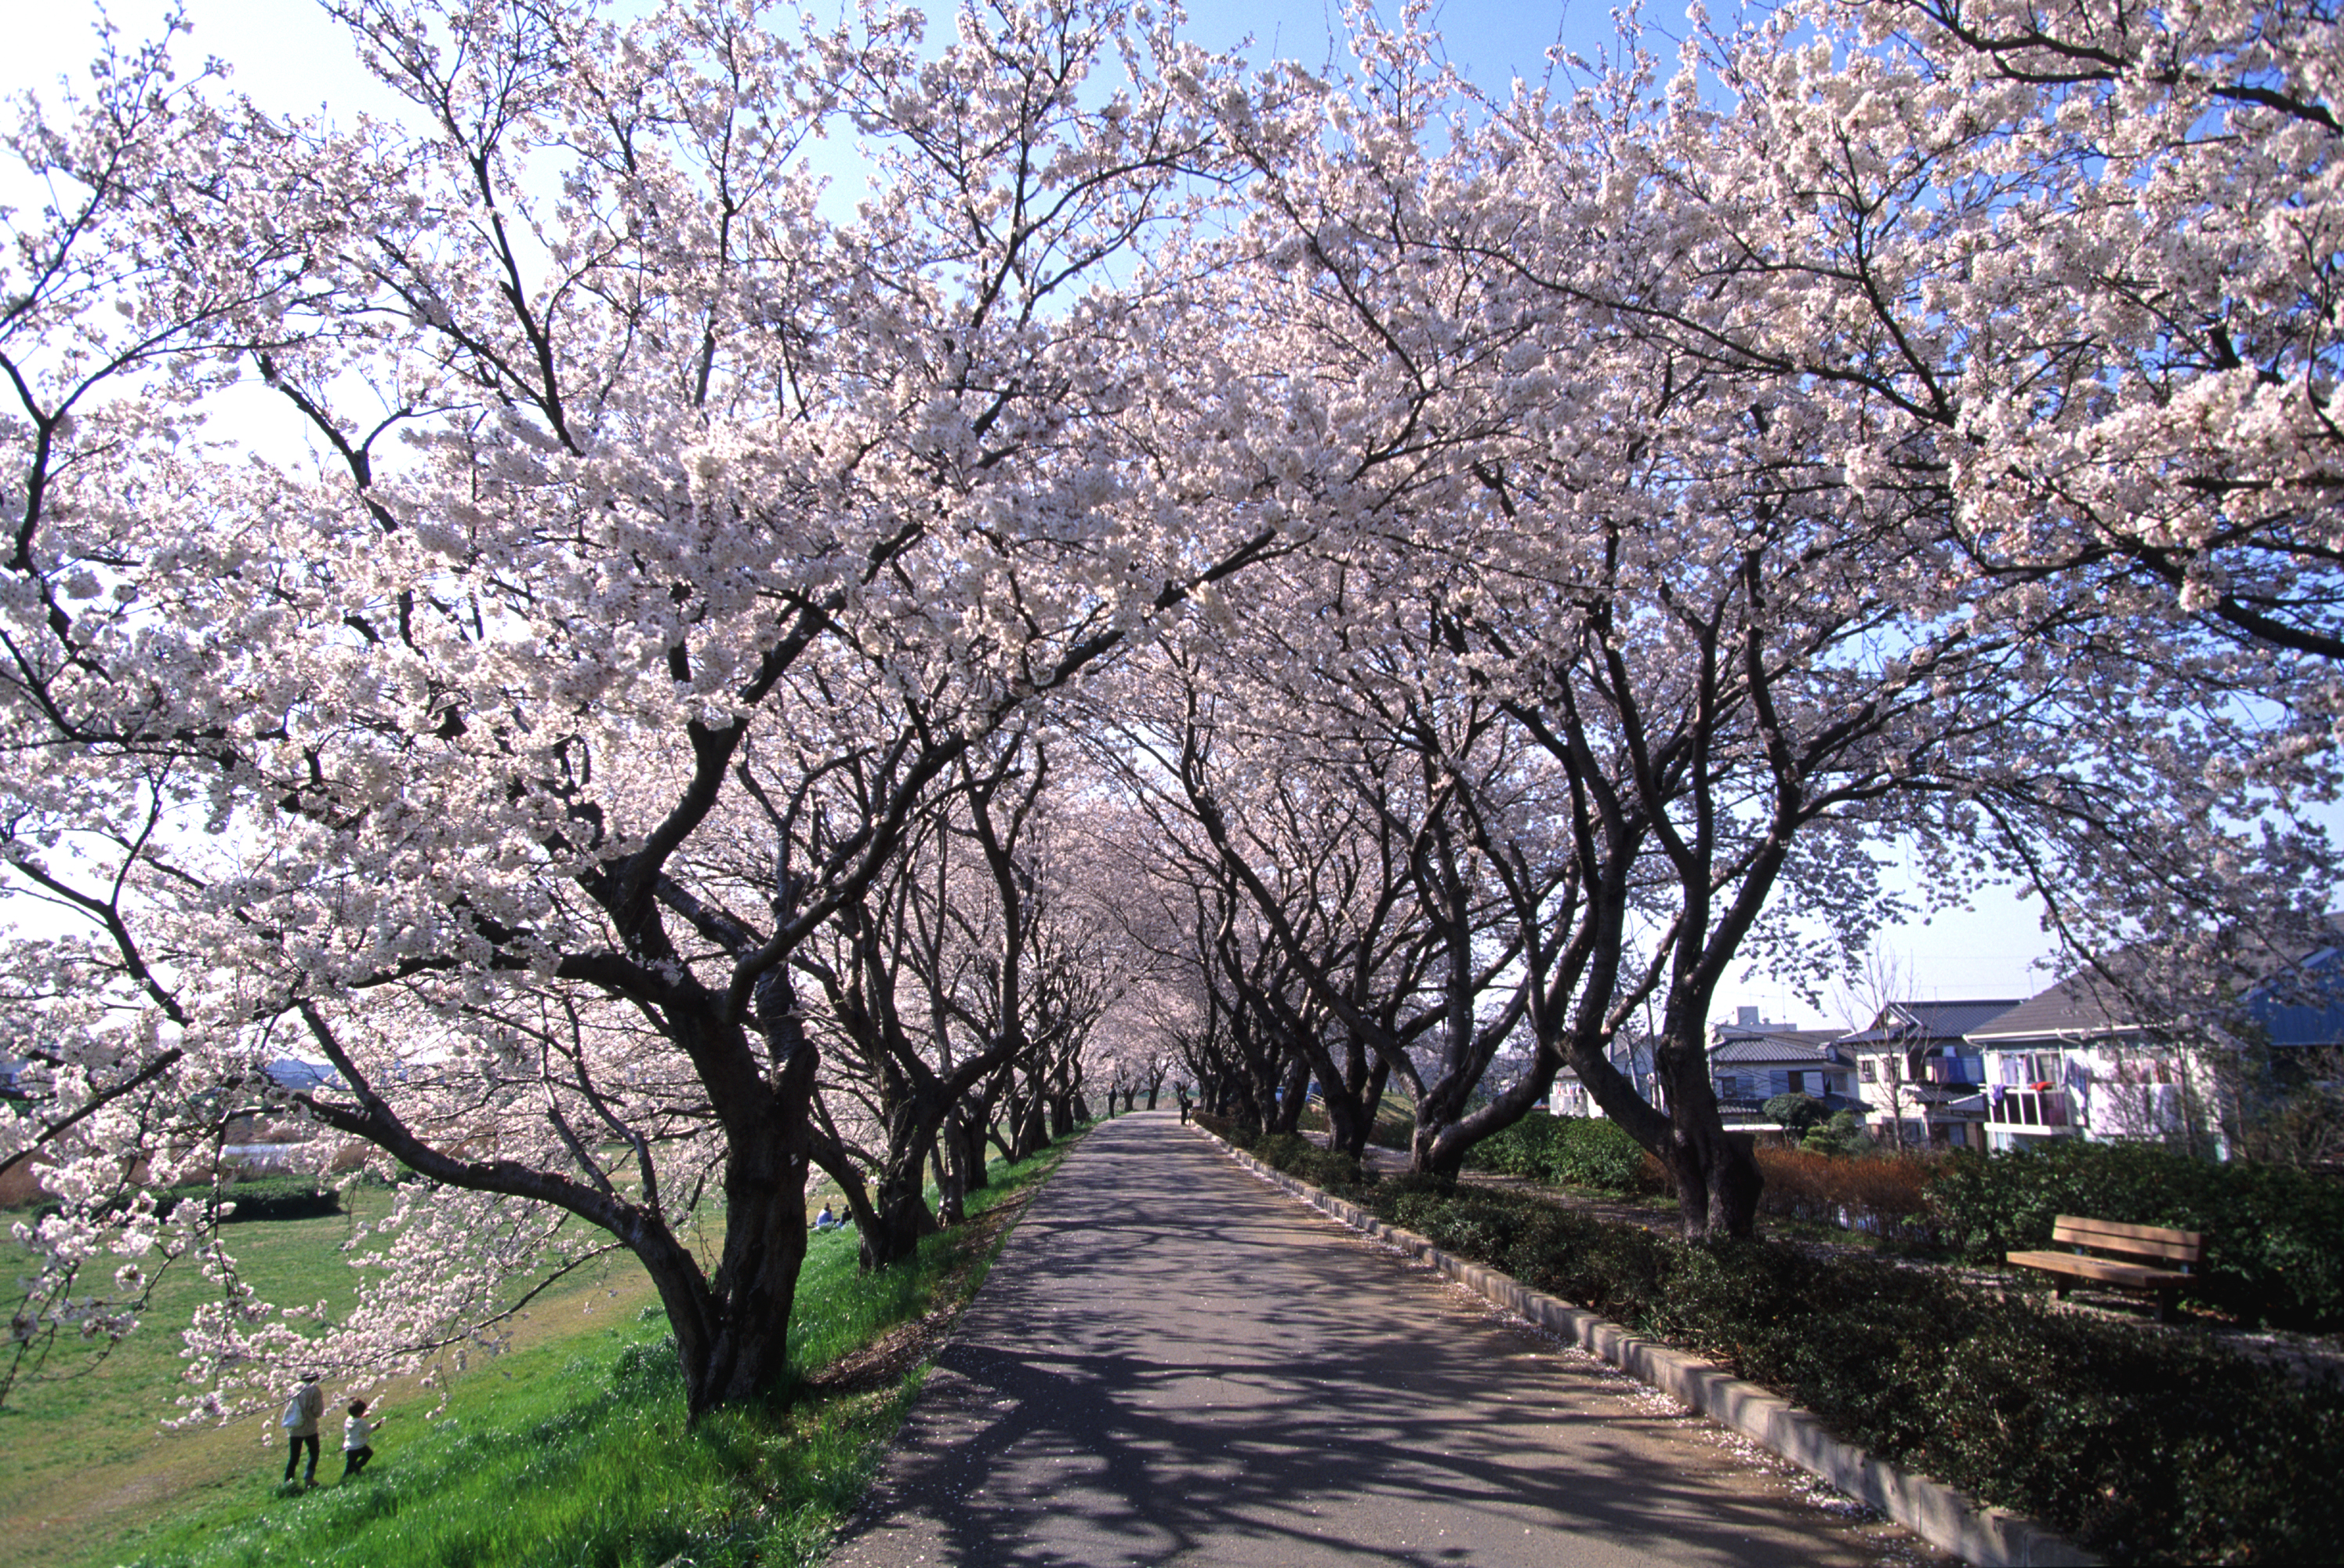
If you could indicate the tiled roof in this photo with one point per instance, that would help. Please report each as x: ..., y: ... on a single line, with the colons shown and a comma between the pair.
x: 1787, y: 1048
x: 1947, y: 1020
x: 2081, y: 1006
x: 1914, y: 1023
x: 2085, y: 1004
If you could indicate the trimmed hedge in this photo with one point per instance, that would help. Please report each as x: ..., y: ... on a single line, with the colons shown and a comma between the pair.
x: 260, y: 1198
x: 1576, y: 1151
x: 264, y: 1197
x: 2148, y: 1445
x: 2274, y: 1242
x: 1297, y: 1156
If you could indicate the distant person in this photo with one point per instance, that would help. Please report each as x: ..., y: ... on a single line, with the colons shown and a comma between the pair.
x: 826, y: 1220
x: 299, y: 1421
x: 358, y: 1438
x: 1183, y: 1092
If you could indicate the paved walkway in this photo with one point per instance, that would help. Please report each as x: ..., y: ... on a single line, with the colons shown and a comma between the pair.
x: 1172, y: 1363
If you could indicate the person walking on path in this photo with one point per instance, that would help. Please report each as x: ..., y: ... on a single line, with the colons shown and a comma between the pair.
x: 302, y: 1414
x: 358, y: 1438
x: 1183, y: 1091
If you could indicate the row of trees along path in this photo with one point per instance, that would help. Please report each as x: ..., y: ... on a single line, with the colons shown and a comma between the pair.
x: 653, y: 675
x: 1174, y: 1362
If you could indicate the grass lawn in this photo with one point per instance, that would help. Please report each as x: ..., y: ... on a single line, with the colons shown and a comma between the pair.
x: 568, y: 1449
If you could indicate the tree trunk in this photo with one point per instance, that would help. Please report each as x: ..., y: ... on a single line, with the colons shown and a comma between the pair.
x: 965, y: 1137
x: 948, y: 1188
x: 1033, y: 1126
x: 1717, y: 1171
x: 1372, y: 1105
x: 1286, y: 1109
x: 743, y: 1350
x: 1350, y: 1093
x: 1438, y: 1109
x: 900, y: 1208
x: 1344, y: 1132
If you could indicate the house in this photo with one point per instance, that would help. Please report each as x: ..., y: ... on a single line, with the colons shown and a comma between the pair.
x: 2074, y: 1061
x: 2302, y: 1014
x: 1920, y: 1080
x: 1634, y: 1058
x: 2081, y: 1059
x: 1752, y: 1061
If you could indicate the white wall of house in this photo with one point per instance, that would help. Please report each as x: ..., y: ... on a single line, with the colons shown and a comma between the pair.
x: 2107, y: 1091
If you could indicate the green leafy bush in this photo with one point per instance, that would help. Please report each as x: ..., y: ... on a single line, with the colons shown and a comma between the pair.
x: 1520, y: 1149
x: 259, y: 1197
x: 1839, y: 1135
x: 1578, y: 1152
x: 2275, y: 1236
x: 1796, y: 1114
x: 2144, y: 1443
x: 1593, y: 1152
x: 1300, y: 1157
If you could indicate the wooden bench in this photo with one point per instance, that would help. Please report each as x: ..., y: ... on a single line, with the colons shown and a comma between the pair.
x: 2179, y: 1252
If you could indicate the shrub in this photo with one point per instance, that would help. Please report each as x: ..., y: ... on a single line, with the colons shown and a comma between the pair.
x: 1299, y: 1157
x: 262, y: 1198
x: 1796, y: 1113
x: 266, y: 1198
x: 1838, y: 1134
x: 1520, y: 1149
x: 2275, y: 1236
x: 2148, y: 1445
x: 1594, y: 1152
x: 1578, y: 1152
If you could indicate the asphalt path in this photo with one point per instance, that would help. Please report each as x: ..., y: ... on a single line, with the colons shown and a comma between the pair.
x: 1174, y: 1362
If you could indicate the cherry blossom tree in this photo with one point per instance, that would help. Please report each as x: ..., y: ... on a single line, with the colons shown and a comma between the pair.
x: 1655, y: 392
x: 979, y: 961
x: 434, y: 758
x: 522, y: 603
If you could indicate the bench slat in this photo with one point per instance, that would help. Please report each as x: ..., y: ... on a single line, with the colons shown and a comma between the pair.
x: 2135, y: 1241
x: 2138, y: 1232
x: 2100, y: 1269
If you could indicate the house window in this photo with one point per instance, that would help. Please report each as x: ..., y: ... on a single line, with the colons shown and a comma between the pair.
x: 1798, y: 1083
x: 1869, y: 1070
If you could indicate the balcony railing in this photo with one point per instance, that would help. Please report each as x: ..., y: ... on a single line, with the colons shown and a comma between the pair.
x: 2029, y: 1108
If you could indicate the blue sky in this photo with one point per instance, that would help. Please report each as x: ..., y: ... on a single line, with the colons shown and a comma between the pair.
x: 288, y: 57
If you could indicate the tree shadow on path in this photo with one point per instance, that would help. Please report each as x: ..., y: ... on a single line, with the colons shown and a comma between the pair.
x: 1173, y: 1363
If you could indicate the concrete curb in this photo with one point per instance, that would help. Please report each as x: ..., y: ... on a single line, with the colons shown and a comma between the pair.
x: 1987, y: 1537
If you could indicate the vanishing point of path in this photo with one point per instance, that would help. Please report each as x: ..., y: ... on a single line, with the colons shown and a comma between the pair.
x: 1172, y: 1363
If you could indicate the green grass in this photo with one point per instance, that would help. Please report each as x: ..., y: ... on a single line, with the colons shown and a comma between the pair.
x: 572, y: 1450
x: 84, y: 1456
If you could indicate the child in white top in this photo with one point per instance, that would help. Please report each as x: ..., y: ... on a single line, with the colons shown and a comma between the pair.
x: 356, y: 1435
